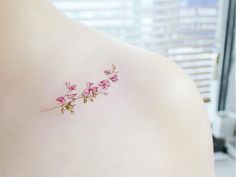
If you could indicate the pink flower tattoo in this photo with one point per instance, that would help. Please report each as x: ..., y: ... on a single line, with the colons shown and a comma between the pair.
x: 104, y: 84
x: 70, y: 100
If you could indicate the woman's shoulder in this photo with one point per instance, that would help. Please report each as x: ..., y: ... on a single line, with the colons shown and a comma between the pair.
x: 149, y: 69
x: 170, y: 96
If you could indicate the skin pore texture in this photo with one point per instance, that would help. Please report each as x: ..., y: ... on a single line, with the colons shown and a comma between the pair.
x: 152, y: 123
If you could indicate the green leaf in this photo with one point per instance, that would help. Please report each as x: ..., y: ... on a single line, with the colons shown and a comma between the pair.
x: 69, y: 106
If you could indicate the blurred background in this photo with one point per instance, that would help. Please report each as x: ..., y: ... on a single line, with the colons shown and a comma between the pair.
x: 199, y: 35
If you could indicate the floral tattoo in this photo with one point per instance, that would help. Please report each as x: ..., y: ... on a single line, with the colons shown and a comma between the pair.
x: 70, y: 100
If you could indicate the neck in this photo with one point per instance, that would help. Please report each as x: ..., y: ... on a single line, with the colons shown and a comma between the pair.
x: 32, y: 30
x: 31, y: 16
x: 27, y: 28
x: 36, y: 42
x: 25, y: 9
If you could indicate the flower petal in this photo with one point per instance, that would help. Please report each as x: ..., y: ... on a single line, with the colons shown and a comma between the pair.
x: 86, y: 91
x: 62, y: 100
x: 114, y: 78
x: 73, y: 87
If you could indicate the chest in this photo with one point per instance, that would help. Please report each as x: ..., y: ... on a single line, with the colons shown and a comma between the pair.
x: 104, y: 138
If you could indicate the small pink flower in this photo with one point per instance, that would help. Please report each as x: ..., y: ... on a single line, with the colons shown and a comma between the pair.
x: 94, y: 89
x: 61, y: 99
x: 70, y: 87
x: 90, y: 89
x: 104, y: 84
x: 73, y: 87
x: 107, y: 72
x: 71, y: 96
x: 114, y: 78
x: 86, y: 91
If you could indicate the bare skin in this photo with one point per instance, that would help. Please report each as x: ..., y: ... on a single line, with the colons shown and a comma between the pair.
x: 152, y: 123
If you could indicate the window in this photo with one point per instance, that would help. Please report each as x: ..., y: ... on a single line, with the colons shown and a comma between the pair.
x: 183, y: 30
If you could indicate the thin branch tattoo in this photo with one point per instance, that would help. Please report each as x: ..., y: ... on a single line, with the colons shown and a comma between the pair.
x: 68, y: 101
